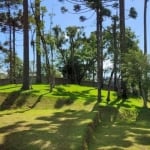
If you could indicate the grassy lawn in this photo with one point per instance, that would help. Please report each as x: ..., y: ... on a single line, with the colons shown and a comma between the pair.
x: 13, y: 97
x: 126, y: 128
x: 36, y: 119
x: 122, y: 136
x: 43, y: 129
x: 39, y: 120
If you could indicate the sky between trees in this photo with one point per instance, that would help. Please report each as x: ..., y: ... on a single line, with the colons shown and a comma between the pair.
x: 68, y: 19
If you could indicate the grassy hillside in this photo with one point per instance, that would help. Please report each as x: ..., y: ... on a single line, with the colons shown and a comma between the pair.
x: 38, y: 120
x: 39, y: 97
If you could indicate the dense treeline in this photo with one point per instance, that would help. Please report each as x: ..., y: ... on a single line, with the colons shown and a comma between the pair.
x: 73, y: 54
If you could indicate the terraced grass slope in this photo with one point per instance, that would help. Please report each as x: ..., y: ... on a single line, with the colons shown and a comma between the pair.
x: 126, y: 128
x: 39, y: 120
x: 70, y: 119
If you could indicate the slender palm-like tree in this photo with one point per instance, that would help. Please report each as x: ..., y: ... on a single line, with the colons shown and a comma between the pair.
x: 25, y: 85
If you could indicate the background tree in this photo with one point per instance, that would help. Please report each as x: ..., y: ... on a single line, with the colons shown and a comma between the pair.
x: 123, y: 48
x: 131, y: 44
x: 38, y: 48
x: 5, y: 61
x: 26, y: 84
x: 100, y: 10
x: 44, y: 41
x: 11, y: 22
x: 122, y: 44
x: 145, y: 41
x: 76, y: 53
x: 16, y: 24
x: 136, y: 66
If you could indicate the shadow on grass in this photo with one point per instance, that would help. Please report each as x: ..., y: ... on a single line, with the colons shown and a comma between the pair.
x: 62, y: 102
x: 37, y: 101
x: 108, y: 114
x: 72, y: 96
x: 118, y: 134
x: 17, y: 99
x: 118, y: 102
x: 143, y: 115
x: 62, y: 130
x: 10, y: 100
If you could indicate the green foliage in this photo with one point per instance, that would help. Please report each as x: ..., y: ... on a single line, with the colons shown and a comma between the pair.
x: 136, y: 65
x: 76, y: 52
x: 133, y: 13
x: 76, y: 73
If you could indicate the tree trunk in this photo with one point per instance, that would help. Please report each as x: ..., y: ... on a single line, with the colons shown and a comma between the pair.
x: 26, y: 46
x: 122, y: 45
x: 115, y: 51
x: 10, y: 46
x: 10, y: 55
x: 14, y: 55
x: 145, y: 42
x: 109, y: 86
x: 44, y: 44
x: 99, y: 50
x: 38, y: 50
x: 73, y: 74
x: 142, y: 93
x: 145, y: 27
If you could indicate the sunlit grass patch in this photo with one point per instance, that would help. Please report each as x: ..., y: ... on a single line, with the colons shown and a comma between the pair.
x: 63, y: 95
x: 9, y: 88
x: 39, y: 96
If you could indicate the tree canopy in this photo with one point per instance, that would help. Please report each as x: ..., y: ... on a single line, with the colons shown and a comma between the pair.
x: 76, y: 55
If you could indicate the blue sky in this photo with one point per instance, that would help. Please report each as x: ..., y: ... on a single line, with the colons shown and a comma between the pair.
x: 136, y: 25
x: 67, y: 19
